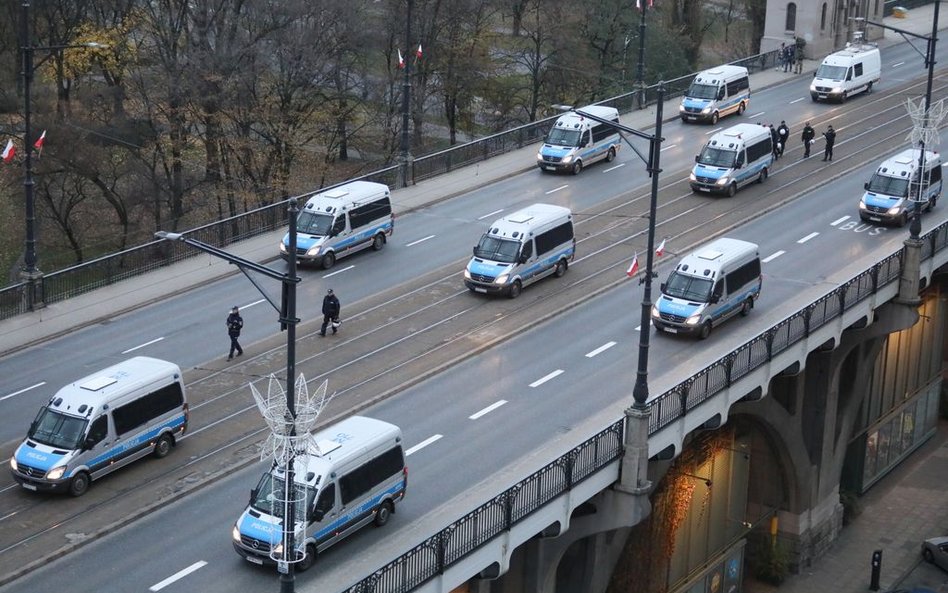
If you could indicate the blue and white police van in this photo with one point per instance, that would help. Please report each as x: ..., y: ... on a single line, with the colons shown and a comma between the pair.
x: 898, y: 183
x: 715, y: 93
x: 733, y: 158
x: 576, y: 141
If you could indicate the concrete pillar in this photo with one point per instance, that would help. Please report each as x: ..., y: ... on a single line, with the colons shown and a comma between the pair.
x: 909, y: 282
x: 633, y: 477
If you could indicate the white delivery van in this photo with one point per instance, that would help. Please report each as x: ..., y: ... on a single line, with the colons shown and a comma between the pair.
x: 847, y: 72
x: 899, y: 181
x: 520, y: 249
x: 715, y: 93
x: 733, y: 158
x: 353, y: 475
x: 102, y: 422
x: 708, y: 287
x: 341, y: 221
x: 575, y: 141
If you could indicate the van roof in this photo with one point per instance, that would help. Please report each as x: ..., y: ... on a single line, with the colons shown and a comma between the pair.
x: 338, y: 443
x: 718, y: 73
x: 89, y: 394
x: 735, y: 136
x: 523, y: 222
x: 343, y: 197
x: 572, y: 119
x: 849, y: 52
x: 707, y: 261
x: 905, y: 163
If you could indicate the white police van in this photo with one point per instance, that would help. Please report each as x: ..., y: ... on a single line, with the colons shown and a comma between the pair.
x: 520, y: 249
x: 846, y: 72
x: 353, y: 475
x: 100, y: 423
x: 341, y: 221
x: 896, y: 184
x: 715, y: 93
x: 575, y: 141
x: 708, y: 287
x: 733, y: 158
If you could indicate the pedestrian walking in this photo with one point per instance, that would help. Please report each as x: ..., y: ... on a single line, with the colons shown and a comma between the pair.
x: 798, y: 64
x: 774, y: 142
x: 331, y: 310
x: 235, y: 323
x: 781, y: 54
x: 807, y: 137
x: 783, y: 133
x: 830, y: 135
x: 789, y: 58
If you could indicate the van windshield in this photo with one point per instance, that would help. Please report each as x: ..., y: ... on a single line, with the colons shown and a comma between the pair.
x: 717, y: 157
x: 689, y: 288
x: 499, y: 250
x: 58, y: 430
x: 563, y: 137
x: 831, y: 72
x: 270, y: 492
x: 889, y: 186
x: 312, y: 223
x: 702, y: 91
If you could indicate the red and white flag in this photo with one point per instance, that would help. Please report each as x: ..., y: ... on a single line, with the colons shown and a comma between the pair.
x: 418, y: 52
x: 660, y: 250
x: 401, y: 60
x: 638, y: 4
x: 8, y: 152
x: 634, y: 267
x: 39, y: 141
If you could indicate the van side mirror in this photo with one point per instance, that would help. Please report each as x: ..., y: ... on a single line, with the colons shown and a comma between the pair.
x: 523, y: 258
x: 661, y: 286
x: 318, y: 515
x: 715, y: 298
x: 88, y: 443
x: 474, y: 250
x: 696, y: 157
x: 865, y: 185
x: 253, y: 495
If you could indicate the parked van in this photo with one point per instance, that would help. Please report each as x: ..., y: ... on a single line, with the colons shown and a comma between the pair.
x: 733, y: 158
x: 896, y: 184
x: 341, y: 221
x: 520, y: 249
x: 575, y: 141
x: 847, y: 72
x: 708, y: 287
x: 100, y: 423
x: 715, y: 93
x: 353, y: 476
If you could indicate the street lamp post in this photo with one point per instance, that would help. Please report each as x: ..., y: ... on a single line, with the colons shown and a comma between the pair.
x: 915, y: 230
x: 640, y: 71
x: 404, y: 156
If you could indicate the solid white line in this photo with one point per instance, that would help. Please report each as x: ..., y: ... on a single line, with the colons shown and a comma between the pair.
x: 422, y: 240
x: 771, y: 258
x: 807, y: 238
x: 346, y: 269
x: 669, y: 146
x: 543, y: 380
x: 897, y: 64
x: 24, y: 390
x: 714, y: 131
x: 756, y: 115
x: 178, y: 575
x: 797, y: 100
x: 423, y: 444
x: 257, y: 302
x: 487, y: 410
x: 490, y: 214
x: 557, y: 189
x: 142, y: 345
x: 600, y: 349
x: 839, y: 220
x: 613, y: 168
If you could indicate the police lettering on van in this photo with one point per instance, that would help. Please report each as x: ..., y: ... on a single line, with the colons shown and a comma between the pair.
x: 733, y: 158
x: 341, y: 221
x: 715, y: 93
x: 575, y: 141
x: 898, y: 183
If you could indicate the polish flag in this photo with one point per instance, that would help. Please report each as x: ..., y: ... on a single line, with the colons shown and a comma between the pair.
x: 39, y: 141
x: 8, y: 152
x: 401, y: 60
x: 634, y: 267
x: 660, y: 250
x: 418, y: 52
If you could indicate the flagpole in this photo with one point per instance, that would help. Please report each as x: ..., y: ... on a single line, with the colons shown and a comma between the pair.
x: 404, y: 157
x: 30, y: 274
x: 640, y: 72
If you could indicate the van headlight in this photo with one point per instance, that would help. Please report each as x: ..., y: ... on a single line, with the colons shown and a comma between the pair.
x: 540, y: 156
x: 706, y: 110
x: 692, y: 177
x: 894, y: 210
x: 655, y: 312
x: 502, y: 279
x: 278, y: 550
x: 862, y: 205
x: 837, y: 90
x: 56, y: 473
x: 722, y: 180
x: 235, y: 533
x: 681, y: 108
x: 13, y: 465
x: 693, y: 320
x: 282, y: 247
x: 567, y: 159
x: 313, y: 251
x: 467, y: 273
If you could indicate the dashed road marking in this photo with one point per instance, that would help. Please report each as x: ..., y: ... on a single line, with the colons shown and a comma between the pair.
x: 487, y: 410
x: 772, y: 257
x: 546, y: 378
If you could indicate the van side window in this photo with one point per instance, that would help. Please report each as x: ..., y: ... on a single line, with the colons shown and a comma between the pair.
x: 602, y: 131
x: 338, y: 225
x: 364, y: 478
x: 718, y: 290
x: 737, y: 85
x: 742, y: 276
x: 366, y: 213
x: 527, y: 250
x: 549, y: 240
x: 98, y: 430
x: 148, y: 407
x: 858, y: 68
x: 327, y: 499
x: 934, y: 176
x: 761, y: 148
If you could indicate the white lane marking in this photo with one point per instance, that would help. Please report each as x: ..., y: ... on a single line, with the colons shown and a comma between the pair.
x: 756, y: 114
x: 422, y: 240
x: 490, y: 214
x: 142, y: 345
x: 24, y: 390
x: 807, y: 238
x: 543, y: 380
x: 257, y: 302
x: 330, y: 274
x: 714, y: 131
x: 556, y: 189
x: 669, y: 146
x: 487, y: 410
x: 842, y: 219
x: 600, y: 349
x: 897, y: 64
x: 797, y: 100
x: 772, y: 257
x: 613, y: 168
x: 178, y: 575
x: 423, y: 444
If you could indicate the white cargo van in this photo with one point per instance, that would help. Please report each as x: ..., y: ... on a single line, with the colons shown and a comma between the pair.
x: 715, y: 93
x: 100, y: 423
x: 708, y: 287
x: 575, y: 141
x: 354, y: 475
x: 520, y: 249
x: 732, y: 158
x: 341, y: 221
x: 892, y: 190
x: 847, y: 72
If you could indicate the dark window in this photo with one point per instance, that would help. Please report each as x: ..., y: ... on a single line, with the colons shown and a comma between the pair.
x: 98, y: 430
x: 366, y: 477
x: 147, y: 408
x: 551, y: 239
x: 602, y: 131
x: 338, y: 225
x: 736, y: 86
x: 935, y: 175
x: 368, y: 213
x: 742, y: 276
x: 527, y: 250
x: 791, y: 16
x: 326, y: 500
x: 823, y: 17
x: 759, y: 149
x: 858, y: 68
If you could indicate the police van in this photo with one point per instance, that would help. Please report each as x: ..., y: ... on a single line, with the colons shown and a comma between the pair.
x: 733, y: 158
x: 100, y: 423
x: 847, y: 72
x: 520, y: 249
x: 354, y: 474
x: 341, y: 221
x: 708, y: 287
x: 715, y: 93
x: 892, y: 190
x: 576, y: 141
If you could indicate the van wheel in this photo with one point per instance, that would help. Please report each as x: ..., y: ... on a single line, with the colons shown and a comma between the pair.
x: 714, y: 118
x: 842, y: 98
x: 705, y: 331
x: 577, y: 167
x: 79, y: 484
x: 309, y: 560
x: 746, y: 307
x: 741, y: 108
x: 383, y: 514
x: 163, y: 446
x: 928, y: 556
x: 514, y: 290
x: 378, y: 242
x: 731, y: 190
x: 560, y: 268
x: 763, y: 175
x: 903, y: 220
x: 329, y: 260
x: 611, y: 155
x: 869, y: 89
